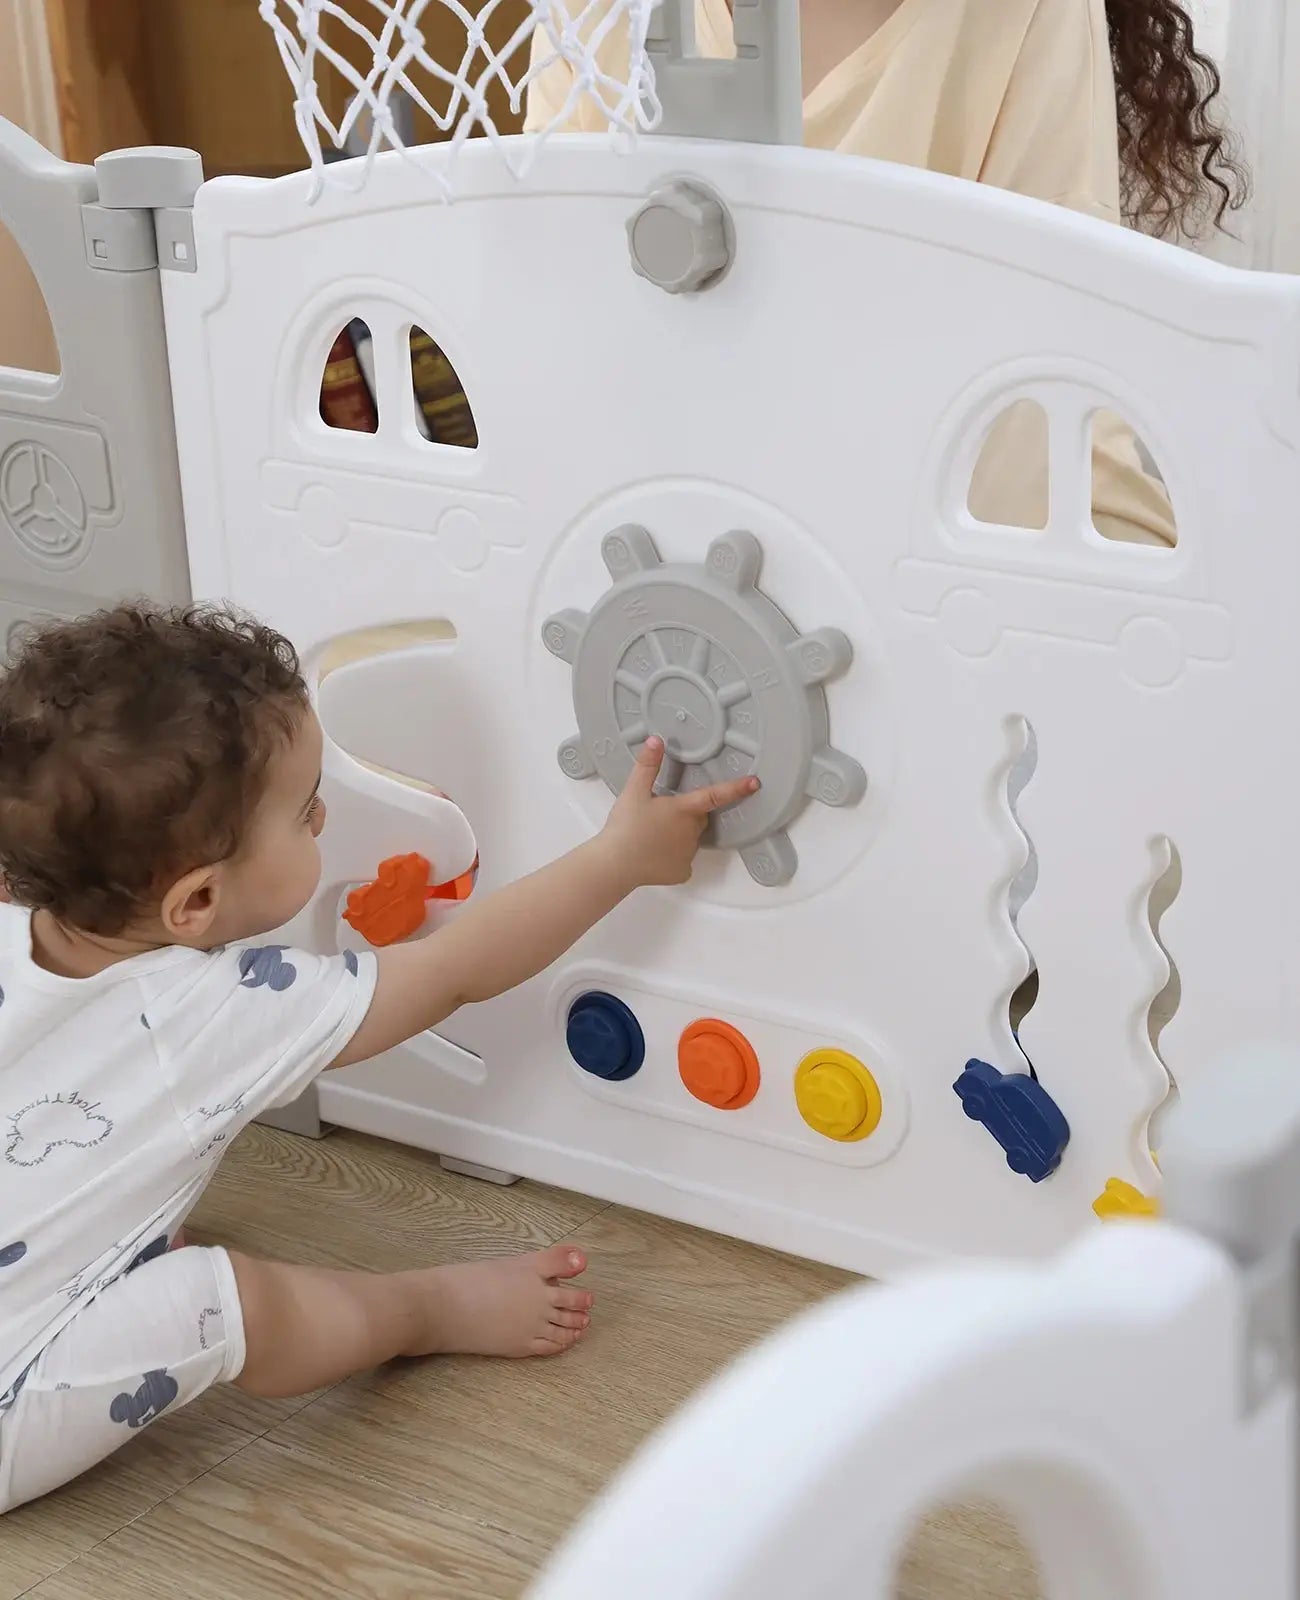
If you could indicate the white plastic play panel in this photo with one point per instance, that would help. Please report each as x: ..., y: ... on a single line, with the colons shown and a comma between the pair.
x: 1131, y: 1404
x: 1099, y: 1402
x: 821, y: 406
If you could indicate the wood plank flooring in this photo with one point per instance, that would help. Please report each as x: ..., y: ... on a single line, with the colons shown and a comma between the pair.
x: 447, y: 1480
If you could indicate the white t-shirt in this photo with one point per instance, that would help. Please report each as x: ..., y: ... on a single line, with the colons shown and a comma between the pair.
x: 119, y: 1094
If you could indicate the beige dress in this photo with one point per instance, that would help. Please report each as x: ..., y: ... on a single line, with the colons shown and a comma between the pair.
x: 1016, y: 93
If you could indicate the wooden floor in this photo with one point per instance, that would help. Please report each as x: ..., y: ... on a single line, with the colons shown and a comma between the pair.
x: 447, y: 1480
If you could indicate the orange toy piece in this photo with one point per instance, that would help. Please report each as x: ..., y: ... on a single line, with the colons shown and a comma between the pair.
x: 718, y: 1065
x: 393, y: 906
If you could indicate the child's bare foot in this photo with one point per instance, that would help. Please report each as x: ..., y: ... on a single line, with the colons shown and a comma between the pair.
x: 516, y: 1307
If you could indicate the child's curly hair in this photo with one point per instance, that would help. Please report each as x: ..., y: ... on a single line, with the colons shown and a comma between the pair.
x: 133, y: 748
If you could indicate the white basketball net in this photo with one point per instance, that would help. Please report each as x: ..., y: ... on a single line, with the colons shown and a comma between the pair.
x: 454, y: 92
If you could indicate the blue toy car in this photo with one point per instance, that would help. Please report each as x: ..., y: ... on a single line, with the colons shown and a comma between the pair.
x: 1019, y: 1113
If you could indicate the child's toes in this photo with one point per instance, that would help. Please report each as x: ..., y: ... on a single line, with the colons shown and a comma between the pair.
x: 561, y: 1261
x: 570, y: 1319
x: 572, y: 1299
x: 556, y: 1341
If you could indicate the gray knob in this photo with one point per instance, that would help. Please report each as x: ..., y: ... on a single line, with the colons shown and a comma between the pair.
x: 680, y: 238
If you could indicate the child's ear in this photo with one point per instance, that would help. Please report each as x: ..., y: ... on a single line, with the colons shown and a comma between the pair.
x: 189, y: 907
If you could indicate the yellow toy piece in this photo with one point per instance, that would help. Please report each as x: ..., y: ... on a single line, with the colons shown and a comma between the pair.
x: 1120, y: 1199
x: 837, y: 1096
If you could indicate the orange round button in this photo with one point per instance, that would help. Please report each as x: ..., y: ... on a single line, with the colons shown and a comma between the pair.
x: 718, y: 1064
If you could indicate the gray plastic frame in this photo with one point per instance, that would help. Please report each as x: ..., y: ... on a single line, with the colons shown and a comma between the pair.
x: 90, y: 501
x: 757, y: 97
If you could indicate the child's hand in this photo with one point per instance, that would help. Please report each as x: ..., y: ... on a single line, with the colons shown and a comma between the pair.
x: 657, y: 837
x: 506, y: 938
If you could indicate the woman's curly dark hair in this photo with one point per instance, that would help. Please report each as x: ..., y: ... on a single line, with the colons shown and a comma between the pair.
x: 1178, y: 167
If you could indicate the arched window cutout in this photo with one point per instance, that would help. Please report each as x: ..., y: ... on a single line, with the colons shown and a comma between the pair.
x: 1009, y: 486
x: 443, y: 413
x: 1130, y: 503
x: 347, y: 390
x: 27, y: 340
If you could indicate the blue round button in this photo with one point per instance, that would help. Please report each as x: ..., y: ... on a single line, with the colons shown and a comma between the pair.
x: 604, y: 1037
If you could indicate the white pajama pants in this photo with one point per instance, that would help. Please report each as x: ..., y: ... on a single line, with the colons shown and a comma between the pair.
x: 149, y: 1343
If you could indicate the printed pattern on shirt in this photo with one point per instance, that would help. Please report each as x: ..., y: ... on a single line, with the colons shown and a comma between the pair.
x: 156, y: 1392
x: 54, y: 1122
x: 267, y: 966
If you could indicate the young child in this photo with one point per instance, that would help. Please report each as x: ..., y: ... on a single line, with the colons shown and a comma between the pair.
x: 159, y: 812
x: 1105, y: 106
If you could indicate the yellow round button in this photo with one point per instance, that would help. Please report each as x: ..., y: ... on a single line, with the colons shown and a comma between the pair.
x: 837, y: 1096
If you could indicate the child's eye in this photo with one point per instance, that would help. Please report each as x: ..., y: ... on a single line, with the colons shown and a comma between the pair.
x: 313, y: 810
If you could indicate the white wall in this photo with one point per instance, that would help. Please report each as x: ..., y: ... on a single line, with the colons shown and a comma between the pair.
x: 1211, y: 18
x: 1280, y: 176
x: 1257, y: 43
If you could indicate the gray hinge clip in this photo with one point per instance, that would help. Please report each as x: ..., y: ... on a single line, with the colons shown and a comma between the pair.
x: 143, y: 218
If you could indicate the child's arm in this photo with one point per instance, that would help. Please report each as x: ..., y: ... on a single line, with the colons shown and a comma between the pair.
x: 519, y: 931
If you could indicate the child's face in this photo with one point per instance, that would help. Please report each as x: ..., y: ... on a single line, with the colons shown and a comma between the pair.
x: 278, y: 869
